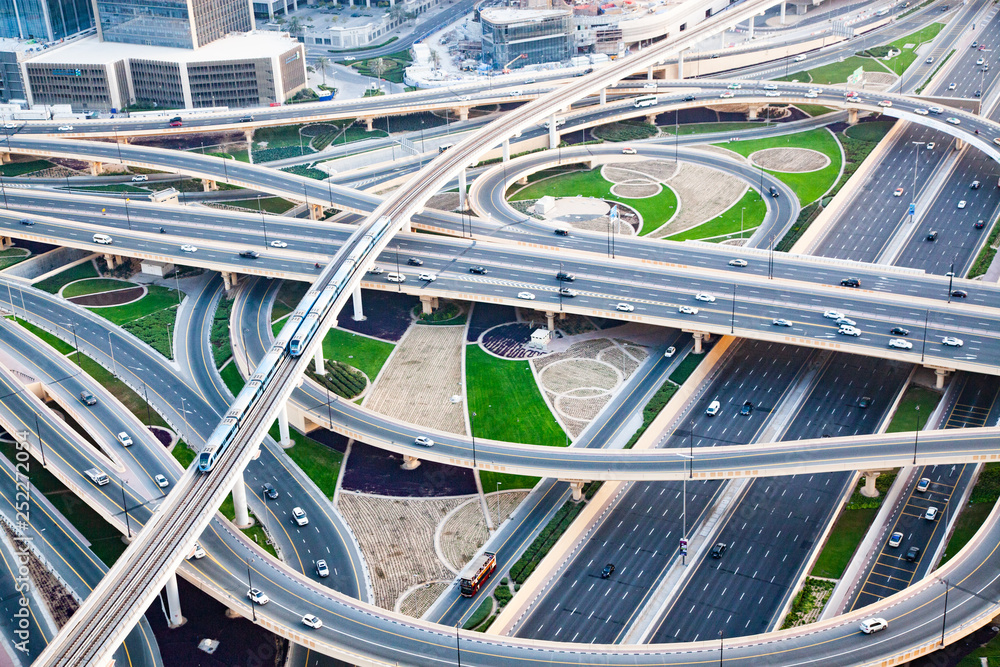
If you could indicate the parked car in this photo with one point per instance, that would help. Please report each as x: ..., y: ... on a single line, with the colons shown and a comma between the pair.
x: 896, y: 539
x: 912, y: 554
x: 931, y: 513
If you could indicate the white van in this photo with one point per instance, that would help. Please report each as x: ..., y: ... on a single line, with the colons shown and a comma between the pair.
x: 713, y: 408
x: 103, y: 239
x: 396, y: 278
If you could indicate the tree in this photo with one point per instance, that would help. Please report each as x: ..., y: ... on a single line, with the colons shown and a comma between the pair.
x: 322, y: 62
x: 397, y: 13
x: 294, y: 25
x: 378, y: 66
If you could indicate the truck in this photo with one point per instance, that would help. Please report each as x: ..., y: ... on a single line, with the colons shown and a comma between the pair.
x: 97, y: 476
x: 476, y: 573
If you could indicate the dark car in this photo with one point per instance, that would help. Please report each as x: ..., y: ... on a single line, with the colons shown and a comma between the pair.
x: 87, y: 398
x: 959, y: 293
x: 608, y: 570
x: 912, y: 554
x: 899, y: 331
x: 565, y: 277
x: 562, y: 232
x: 246, y: 119
x: 980, y: 224
x: 270, y: 492
x: 480, y: 270
x: 689, y: 98
x: 414, y: 261
x: 774, y: 191
x: 25, y: 221
x: 250, y: 254
x: 851, y: 282
x: 932, y: 236
x: 865, y: 402
x: 747, y: 408
x: 718, y: 550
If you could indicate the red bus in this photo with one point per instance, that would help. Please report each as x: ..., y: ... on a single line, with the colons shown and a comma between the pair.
x: 476, y: 573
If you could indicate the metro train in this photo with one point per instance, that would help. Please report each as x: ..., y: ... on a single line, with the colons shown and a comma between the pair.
x: 292, y: 340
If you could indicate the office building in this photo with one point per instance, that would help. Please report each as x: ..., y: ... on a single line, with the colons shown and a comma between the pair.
x: 180, y: 24
x: 543, y: 35
x: 45, y: 20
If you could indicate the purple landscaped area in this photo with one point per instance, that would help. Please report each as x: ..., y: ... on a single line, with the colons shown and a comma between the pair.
x: 509, y: 340
x: 373, y: 470
x: 486, y: 316
x: 387, y: 315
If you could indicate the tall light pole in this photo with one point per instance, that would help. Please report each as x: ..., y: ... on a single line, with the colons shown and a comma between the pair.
x: 473, y: 418
x: 913, y: 195
x: 498, y: 504
x: 944, y: 617
x: 916, y: 432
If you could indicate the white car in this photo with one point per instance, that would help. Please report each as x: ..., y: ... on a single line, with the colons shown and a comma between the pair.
x: 9, y: 126
x: 870, y: 625
x: 811, y: 94
x: 526, y: 295
x: 396, y: 278
x: 849, y: 331
x: 833, y: 314
x: 931, y: 145
x: 770, y: 86
x: 931, y: 513
x: 625, y: 307
x: 961, y: 203
x: 322, y: 569
x: 952, y: 86
x: 701, y: 296
x: 954, y: 121
x: 628, y: 151
x: 198, y: 552
x: 161, y: 481
x: 125, y: 439
x: 376, y: 270
x: 951, y: 341
x: 65, y: 128
x: 781, y: 323
x: 980, y: 61
x: 423, y: 440
x: 936, y: 110
x: 649, y: 86
x: 727, y: 94
x: 738, y: 262
x: 898, y: 192
x: 140, y: 178
x: 734, y: 86
x: 299, y: 516
x: 429, y: 277
x: 187, y: 247
x: 258, y: 596
x: 921, y: 112
x: 312, y: 622
x: 845, y: 321
x: 900, y: 344
x: 687, y: 310
x: 896, y: 539
x: 278, y: 244
x: 772, y: 93
x: 885, y: 103
x: 670, y: 351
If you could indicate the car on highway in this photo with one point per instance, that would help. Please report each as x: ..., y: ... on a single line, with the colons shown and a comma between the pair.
x: 931, y: 513
x: 249, y: 254
x: 842, y: 321
x: 921, y: 112
x: 423, y: 440
x: 299, y: 516
x: 923, y: 484
x: 851, y: 282
x: 278, y: 244
x: 565, y: 277
x: 962, y: 203
x: 395, y: 278
x: 125, y: 439
x: 980, y: 224
x: 780, y: 322
x: 851, y: 94
x: 772, y: 93
x: 885, y: 103
x: 687, y: 310
x: 936, y: 109
x: 9, y: 126
x: 670, y: 351
x: 899, y: 331
x: 871, y: 625
x: 258, y: 596
x: 849, y: 331
x: 87, y: 398
x: 427, y: 277
x: 978, y: 93
x: 187, y: 247
x: 140, y: 178
x: 608, y: 570
x: 931, y: 145
x: 567, y: 292
x: 727, y: 94
x: 954, y: 121
x: 247, y: 119
x: 833, y: 314
x: 312, y: 621
x: 415, y: 261
x: 770, y: 86
x: 811, y: 94
x: 478, y: 270
x: 746, y: 409
x: 898, y: 192
x: 26, y: 222
x: 628, y: 151
x: 161, y: 481
x: 974, y: 45
x: 900, y: 344
x: 980, y: 61
x: 701, y: 296
x: 738, y: 262
x: 376, y: 270
x: 561, y: 232
x: 951, y: 341
x: 719, y: 549
x: 952, y: 86
x: 713, y: 408
x: 959, y: 293
x: 526, y: 295
x: 865, y: 402
x: 734, y: 86
x: 176, y: 121
x: 103, y: 239
x: 895, y: 539
x: 625, y: 307
x: 912, y: 554
x: 270, y: 491
x: 65, y: 128
x: 198, y: 552
x: 932, y: 235
x: 322, y: 569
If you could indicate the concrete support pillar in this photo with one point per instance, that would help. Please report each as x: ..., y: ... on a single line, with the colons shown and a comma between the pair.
x: 229, y: 280
x: 369, y: 124
x: 752, y: 112
x: 523, y: 180
x: 240, y: 503
x: 550, y: 321
x: 852, y: 116
x: 959, y: 144
x: 248, y: 135
x: 462, y: 187
x: 428, y: 304
x: 939, y: 375
x: 649, y: 73
x: 869, y: 490
x: 462, y: 113
x: 285, y: 438
x: 651, y: 118
x: 697, y: 342
x: 604, y: 95
x: 5, y: 242
x: 318, y: 359
x: 209, y: 186
x: 410, y: 462
x: 680, y: 65
x: 407, y: 226
x: 96, y: 168
x: 110, y: 259
x: 782, y: 5
x: 174, y: 617
x: 751, y: 27
x: 4, y: 158
x: 553, y: 132
x: 506, y: 150
x: 577, y: 488
x: 316, y: 211
x: 359, y: 313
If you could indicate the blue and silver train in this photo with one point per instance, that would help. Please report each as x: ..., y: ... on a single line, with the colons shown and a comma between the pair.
x: 292, y: 340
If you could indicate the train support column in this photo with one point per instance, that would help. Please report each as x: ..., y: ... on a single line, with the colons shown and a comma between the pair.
x: 869, y: 490
x: 506, y: 151
x: 96, y: 168
x: 852, y: 116
x: 649, y: 73
x: 698, y: 336
x: 462, y: 194
x: 604, y: 95
x: 243, y: 519
x: 286, y: 439
x: 751, y: 27
x: 174, y: 617
x: 576, y: 486
x: 209, y: 186
x: 4, y: 158
x: 553, y: 133
x: 550, y: 321
x: 229, y: 280
x: 939, y: 376
x: 782, y: 5
x: 320, y: 370
x: 680, y: 65
x: 359, y: 313
x: 959, y: 144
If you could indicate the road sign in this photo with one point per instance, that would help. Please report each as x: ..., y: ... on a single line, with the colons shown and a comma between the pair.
x: 913, y: 209
x: 857, y: 75
x: 684, y: 546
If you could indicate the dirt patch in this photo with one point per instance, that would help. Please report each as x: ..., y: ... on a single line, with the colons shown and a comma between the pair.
x: 422, y: 375
x: 105, y: 299
x: 462, y: 535
x: 376, y: 470
x: 387, y: 314
x: 565, y: 375
x: 418, y: 600
x: 396, y: 536
x: 601, y: 225
x: 635, y: 190
x: 653, y: 170
x: 703, y: 193
x: 790, y: 159
x: 879, y: 80
x: 444, y: 201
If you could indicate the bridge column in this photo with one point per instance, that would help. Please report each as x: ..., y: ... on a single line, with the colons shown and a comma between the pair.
x: 680, y: 65
x: 96, y: 168
x: 577, y: 487
x: 751, y: 27
x: 852, y: 116
x: 5, y: 242
x: 110, y: 259
x: 248, y: 135
x: 752, y: 112
x: 869, y: 490
x: 174, y: 617
x: 550, y: 321
x: 649, y: 73
x: 410, y: 462
x: 650, y: 118
x: 318, y: 359
x: 240, y: 503
x: 939, y: 376
x: 229, y: 280
x: 604, y: 95
x: 462, y: 190
x: 359, y: 313
x: 959, y: 144
x: 462, y: 113
x: 316, y: 211
x: 428, y: 304
x: 553, y: 132
x: 209, y: 186
x: 698, y: 336
x: 285, y: 437
x: 4, y: 158
x: 782, y: 5
x: 506, y: 151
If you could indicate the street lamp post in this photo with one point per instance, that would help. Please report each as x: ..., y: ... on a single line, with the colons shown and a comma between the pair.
x: 128, y: 527
x: 3, y: 192
x: 128, y: 218
x: 913, y: 194
x: 253, y: 605
x: 944, y: 617
x: 916, y: 432
x: 721, y: 646
x: 473, y: 418
x: 732, y: 321
x: 41, y: 447
x: 951, y: 277
x: 111, y: 346
x: 498, y: 504
x: 742, y: 210
x: 262, y: 223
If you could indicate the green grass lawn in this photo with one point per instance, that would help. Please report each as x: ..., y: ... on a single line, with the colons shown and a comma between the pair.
x: 968, y: 523
x: 12, y: 256
x: 113, y: 187
x: 288, y: 297
x: 231, y: 376
x: 489, y: 480
x: 850, y: 528
x: 906, y: 417
x: 222, y: 347
x: 871, y: 131
x: 507, y: 402
x: 22, y: 168
x: 255, y: 532
x: 59, y: 344
x: 157, y: 298
x: 53, y: 284
x: 654, y: 210
x: 836, y: 72
x: 366, y: 354
x: 319, y: 462
x: 705, y: 128
x: 275, y: 205
x: 95, y: 285
x: 908, y: 55
x: 183, y: 453
x: 808, y: 186
x: 156, y: 330
x: 727, y: 225
x: 814, y: 109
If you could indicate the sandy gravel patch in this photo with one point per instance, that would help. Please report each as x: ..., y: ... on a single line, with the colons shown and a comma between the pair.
x: 424, y: 372
x: 444, y: 201
x: 601, y: 225
x: 790, y: 159
x: 419, y: 599
x: 465, y: 532
x: 703, y: 193
x: 879, y: 80
x: 654, y: 170
x: 635, y: 190
x: 396, y: 536
x: 566, y: 375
